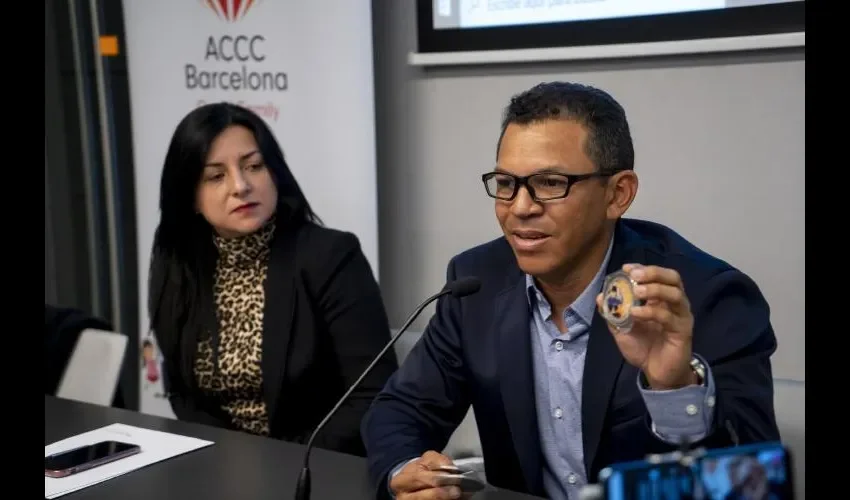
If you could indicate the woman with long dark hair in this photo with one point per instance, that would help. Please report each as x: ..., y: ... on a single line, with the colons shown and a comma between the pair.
x: 263, y: 316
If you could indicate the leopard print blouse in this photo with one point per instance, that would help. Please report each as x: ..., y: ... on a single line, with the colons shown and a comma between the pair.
x: 239, y: 297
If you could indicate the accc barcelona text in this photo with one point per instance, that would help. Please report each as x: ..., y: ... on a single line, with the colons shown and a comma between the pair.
x: 240, y: 49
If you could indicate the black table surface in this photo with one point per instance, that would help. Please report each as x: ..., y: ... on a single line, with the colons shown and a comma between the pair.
x: 238, y: 466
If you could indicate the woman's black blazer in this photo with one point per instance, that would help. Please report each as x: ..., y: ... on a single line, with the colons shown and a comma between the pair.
x: 324, y: 321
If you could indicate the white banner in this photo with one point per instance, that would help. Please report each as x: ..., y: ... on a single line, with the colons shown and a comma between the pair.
x: 305, y: 66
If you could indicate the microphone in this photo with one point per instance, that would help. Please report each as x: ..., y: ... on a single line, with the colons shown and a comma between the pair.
x: 458, y: 288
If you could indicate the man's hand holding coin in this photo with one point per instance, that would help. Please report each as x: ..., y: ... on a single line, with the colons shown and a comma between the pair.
x: 659, y: 339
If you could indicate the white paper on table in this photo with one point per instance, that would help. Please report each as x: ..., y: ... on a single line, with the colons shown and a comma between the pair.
x: 156, y: 446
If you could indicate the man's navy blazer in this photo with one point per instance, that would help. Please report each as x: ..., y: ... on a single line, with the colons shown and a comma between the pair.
x: 477, y: 351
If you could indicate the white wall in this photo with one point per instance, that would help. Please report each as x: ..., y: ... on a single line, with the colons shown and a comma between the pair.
x: 790, y: 402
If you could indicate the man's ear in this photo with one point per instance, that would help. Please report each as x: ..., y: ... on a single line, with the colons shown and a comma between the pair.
x: 622, y: 189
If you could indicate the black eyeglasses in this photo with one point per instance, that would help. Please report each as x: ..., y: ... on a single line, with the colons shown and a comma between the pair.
x: 544, y: 186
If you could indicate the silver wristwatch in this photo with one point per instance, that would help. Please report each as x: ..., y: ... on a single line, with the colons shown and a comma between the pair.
x: 699, y: 368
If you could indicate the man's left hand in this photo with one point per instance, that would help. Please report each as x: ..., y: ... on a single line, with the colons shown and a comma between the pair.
x: 660, y: 339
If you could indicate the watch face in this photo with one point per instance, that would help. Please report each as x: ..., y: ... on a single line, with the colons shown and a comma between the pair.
x: 698, y: 368
x: 618, y: 298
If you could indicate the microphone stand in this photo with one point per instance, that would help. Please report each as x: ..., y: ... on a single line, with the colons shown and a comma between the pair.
x: 302, y: 491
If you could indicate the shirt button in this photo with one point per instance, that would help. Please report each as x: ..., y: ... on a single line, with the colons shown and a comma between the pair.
x: 559, y: 346
x: 572, y: 478
x: 558, y: 413
x: 710, y: 401
x: 691, y: 410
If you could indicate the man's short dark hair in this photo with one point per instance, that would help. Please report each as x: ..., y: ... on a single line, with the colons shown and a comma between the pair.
x: 609, y: 141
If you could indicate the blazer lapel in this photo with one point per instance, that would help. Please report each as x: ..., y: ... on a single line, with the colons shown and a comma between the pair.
x: 517, y: 380
x: 603, y: 360
x: 278, y: 315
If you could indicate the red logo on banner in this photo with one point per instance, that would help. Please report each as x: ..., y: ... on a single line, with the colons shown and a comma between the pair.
x: 229, y: 10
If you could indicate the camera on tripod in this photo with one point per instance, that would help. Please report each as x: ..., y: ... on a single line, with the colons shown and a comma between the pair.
x: 762, y: 471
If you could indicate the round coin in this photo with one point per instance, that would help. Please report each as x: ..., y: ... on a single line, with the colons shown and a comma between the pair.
x: 618, y: 298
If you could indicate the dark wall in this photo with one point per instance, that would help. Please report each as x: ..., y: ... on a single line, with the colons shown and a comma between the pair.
x: 91, y: 261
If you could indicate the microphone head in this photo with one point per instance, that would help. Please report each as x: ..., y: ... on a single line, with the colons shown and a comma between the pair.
x: 463, y: 286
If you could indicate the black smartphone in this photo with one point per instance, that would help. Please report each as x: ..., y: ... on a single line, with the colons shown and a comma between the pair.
x: 762, y: 471
x: 69, y: 462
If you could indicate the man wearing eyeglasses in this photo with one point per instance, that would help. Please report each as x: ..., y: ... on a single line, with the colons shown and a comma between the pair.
x: 558, y: 393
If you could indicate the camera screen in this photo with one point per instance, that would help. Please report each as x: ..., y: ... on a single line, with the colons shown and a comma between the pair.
x: 752, y: 475
x: 666, y: 481
x: 756, y: 472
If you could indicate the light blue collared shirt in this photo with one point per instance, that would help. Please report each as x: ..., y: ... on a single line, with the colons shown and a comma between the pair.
x: 558, y: 370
